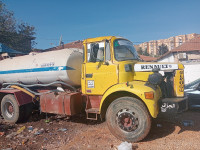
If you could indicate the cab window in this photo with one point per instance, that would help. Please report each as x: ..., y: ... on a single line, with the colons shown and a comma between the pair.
x: 95, y: 52
x: 124, y: 50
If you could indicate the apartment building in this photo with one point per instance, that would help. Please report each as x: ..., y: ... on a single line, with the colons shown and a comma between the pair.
x: 172, y: 42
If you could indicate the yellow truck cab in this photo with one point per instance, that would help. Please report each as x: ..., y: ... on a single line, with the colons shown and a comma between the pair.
x: 126, y: 91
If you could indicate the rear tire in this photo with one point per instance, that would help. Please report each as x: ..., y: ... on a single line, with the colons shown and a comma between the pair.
x: 10, y: 109
x: 128, y: 119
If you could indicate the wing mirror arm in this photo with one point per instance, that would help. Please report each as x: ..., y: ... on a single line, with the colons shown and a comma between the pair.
x: 106, y: 63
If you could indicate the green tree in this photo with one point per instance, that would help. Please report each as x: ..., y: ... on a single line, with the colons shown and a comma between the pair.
x: 17, y: 36
x: 146, y: 53
x: 7, y: 21
x: 162, y: 49
x: 140, y: 51
x: 25, y: 37
x: 143, y: 52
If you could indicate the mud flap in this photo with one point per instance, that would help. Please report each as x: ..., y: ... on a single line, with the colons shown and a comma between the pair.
x: 173, y: 105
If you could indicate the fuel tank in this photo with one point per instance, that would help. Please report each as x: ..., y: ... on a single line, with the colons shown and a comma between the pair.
x: 46, y: 67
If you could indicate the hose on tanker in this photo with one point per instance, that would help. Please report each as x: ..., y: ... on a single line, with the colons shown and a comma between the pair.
x: 25, y: 88
x: 7, y: 85
x: 27, y: 91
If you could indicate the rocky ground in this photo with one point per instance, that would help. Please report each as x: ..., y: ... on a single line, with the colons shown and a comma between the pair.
x: 180, y: 131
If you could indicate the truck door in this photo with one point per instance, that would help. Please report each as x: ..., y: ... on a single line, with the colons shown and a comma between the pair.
x: 100, y: 72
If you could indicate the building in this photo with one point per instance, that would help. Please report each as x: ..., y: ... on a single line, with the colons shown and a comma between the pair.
x: 152, y: 47
x: 189, y: 55
x: 76, y: 44
x: 147, y: 58
x: 185, y: 53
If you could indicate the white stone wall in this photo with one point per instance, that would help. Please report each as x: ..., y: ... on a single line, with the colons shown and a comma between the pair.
x: 191, y: 72
x: 168, y: 58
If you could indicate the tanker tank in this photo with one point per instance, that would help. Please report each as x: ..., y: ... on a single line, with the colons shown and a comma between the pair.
x: 47, y: 67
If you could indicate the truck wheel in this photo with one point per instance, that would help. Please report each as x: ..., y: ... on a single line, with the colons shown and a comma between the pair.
x: 10, y: 109
x: 128, y: 119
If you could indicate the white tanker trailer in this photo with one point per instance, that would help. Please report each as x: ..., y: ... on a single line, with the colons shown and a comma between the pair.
x: 47, y: 67
x: 108, y: 82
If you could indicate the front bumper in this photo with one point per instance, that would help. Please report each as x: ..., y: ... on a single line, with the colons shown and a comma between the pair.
x: 173, y: 105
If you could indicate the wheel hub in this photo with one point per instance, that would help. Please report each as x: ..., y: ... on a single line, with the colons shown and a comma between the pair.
x: 9, y: 110
x: 127, y: 120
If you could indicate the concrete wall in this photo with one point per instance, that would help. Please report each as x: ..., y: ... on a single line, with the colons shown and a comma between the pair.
x: 191, y: 72
x: 168, y: 58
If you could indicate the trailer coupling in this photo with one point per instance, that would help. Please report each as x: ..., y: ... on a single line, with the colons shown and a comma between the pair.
x: 173, y: 105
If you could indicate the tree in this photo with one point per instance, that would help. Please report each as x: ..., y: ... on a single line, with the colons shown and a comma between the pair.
x: 140, y: 51
x: 162, y: 49
x: 146, y: 53
x: 16, y: 36
x: 143, y: 52
x: 7, y: 21
x: 26, y: 36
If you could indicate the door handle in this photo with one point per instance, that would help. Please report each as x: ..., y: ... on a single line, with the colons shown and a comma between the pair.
x: 89, y: 75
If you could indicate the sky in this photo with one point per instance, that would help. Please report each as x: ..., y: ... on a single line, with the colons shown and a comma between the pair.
x: 136, y: 20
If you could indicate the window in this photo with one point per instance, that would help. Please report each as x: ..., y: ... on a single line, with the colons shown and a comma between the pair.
x: 171, y: 45
x: 95, y: 52
x: 180, y: 41
x: 124, y: 50
x: 107, y: 51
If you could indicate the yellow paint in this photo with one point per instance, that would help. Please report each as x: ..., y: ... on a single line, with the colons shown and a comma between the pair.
x: 180, y: 66
x: 103, y: 77
x: 83, y: 78
x: 130, y: 76
x: 97, y: 39
x: 179, y: 83
x: 138, y: 88
x: 106, y: 79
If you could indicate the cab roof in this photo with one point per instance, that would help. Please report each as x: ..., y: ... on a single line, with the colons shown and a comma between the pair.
x: 89, y: 40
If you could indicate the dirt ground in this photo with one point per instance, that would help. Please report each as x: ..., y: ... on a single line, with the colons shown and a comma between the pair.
x: 180, y: 131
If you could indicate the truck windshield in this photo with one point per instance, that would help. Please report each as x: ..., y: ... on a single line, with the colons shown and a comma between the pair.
x: 124, y: 50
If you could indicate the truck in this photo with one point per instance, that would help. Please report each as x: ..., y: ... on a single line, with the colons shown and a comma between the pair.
x: 106, y: 79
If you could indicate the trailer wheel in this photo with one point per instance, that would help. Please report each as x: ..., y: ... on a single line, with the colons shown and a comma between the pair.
x: 10, y: 109
x: 128, y: 119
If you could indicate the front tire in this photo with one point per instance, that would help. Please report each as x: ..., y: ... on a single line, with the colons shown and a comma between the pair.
x: 128, y: 119
x: 10, y: 109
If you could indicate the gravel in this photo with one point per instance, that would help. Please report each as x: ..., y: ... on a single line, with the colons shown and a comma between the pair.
x: 169, y: 131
